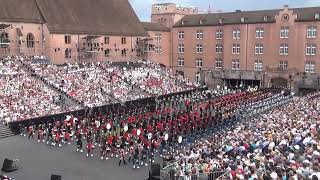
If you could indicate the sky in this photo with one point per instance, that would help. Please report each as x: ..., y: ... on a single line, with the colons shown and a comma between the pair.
x: 143, y: 7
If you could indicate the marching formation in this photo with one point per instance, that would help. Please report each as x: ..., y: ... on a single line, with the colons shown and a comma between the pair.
x: 138, y: 135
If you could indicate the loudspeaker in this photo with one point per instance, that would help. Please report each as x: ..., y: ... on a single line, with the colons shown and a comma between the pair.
x: 8, y: 165
x: 155, y: 171
x: 56, y: 177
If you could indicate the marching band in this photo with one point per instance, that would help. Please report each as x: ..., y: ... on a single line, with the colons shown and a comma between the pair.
x: 141, y: 133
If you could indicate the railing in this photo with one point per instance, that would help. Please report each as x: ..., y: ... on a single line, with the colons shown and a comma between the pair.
x: 170, y: 174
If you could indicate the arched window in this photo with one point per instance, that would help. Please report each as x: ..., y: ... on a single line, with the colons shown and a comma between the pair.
x: 198, y: 77
x: 4, y: 40
x: 30, y: 40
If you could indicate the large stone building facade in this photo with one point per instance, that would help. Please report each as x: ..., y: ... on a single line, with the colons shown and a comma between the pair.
x: 247, y: 48
x: 241, y: 48
x: 68, y: 31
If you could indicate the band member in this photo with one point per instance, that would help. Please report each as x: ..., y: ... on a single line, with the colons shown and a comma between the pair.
x: 40, y: 134
x: 144, y: 156
x: 58, y: 138
x: 89, y: 149
x: 79, y: 143
x: 136, y: 159
x: 67, y: 137
x: 131, y: 151
x: 103, y: 152
x: 122, y: 155
x: 49, y: 135
x: 30, y: 132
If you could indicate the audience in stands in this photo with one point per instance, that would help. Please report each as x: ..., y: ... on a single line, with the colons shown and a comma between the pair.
x: 282, y: 143
x: 90, y: 84
x: 97, y: 84
x: 23, y: 96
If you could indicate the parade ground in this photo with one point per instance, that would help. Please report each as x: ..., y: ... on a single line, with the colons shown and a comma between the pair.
x: 38, y: 161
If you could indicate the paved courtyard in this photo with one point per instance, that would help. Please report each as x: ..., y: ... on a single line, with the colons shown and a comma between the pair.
x: 39, y: 161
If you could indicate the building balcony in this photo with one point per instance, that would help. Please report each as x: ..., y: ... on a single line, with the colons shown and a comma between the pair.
x: 281, y: 70
x: 240, y: 74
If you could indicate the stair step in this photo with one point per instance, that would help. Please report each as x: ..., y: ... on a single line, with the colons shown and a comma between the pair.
x: 5, y: 131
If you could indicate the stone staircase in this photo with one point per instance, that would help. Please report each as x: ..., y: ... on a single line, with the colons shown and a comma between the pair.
x: 5, y: 131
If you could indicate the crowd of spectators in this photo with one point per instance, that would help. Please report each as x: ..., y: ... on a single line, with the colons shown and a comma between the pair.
x: 97, y: 84
x: 23, y: 96
x: 280, y: 143
x: 157, y: 80
x: 29, y: 85
x: 87, y: 83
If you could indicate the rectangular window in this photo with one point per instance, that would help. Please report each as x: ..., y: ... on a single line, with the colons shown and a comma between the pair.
x: 181, y: 35
x: 258, y: 65
x: 258, y: 49
x: 67, y: 53
x: 4, y: 40
x: 106, y: 40
x: 123, y: 40
x: 236, y: 49
x: 107, y: 53
x: 158, y: 50
x: 199, y: 34
x: 138, y: 41
x: 235, y: 64
x: 310, y: 67
x: 219, y: 48
x: 199, y: 48
x: 283, y: 65
x: 219, y: 63
x: 199, y: 62
x: 67, y: 39
x: 284, y: 49
x: 236, y: 33
x: 219, y: 34
x: 259, y: 33
x: 311, y: 50
x: 181, y: 48
x: 284, y: 32
x: 158, y: 37
x: 312, y: 32
x: 180, y: 62
x: 198, y: 77
x: 124, y: 52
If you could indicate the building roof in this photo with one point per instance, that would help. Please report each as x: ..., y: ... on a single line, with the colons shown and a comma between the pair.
x: 306, y: 14
x: 92, y: 17
x: 19, y: 11
x: 248, y: 17
x: 154, y: 27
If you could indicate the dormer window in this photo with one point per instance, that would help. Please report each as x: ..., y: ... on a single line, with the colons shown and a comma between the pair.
x: 317, y: 16
x: 242, y: 20
x: 182, y: 22
x: 265, y: 18
x: 200, y: 22
x: 220, y: 20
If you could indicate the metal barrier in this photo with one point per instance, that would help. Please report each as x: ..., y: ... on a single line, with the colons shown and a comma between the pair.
x: 170, y: 174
